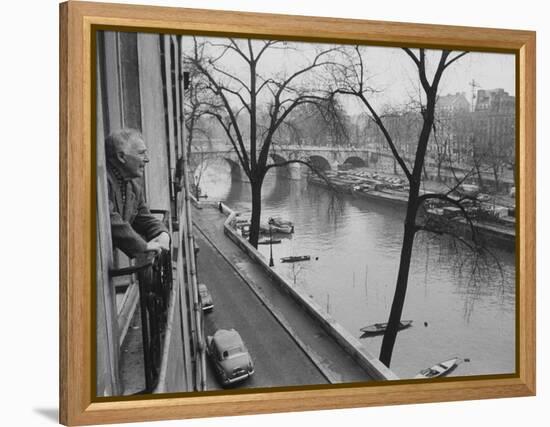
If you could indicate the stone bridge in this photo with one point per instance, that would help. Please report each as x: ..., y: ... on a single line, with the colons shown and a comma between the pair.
x: 321, y: 157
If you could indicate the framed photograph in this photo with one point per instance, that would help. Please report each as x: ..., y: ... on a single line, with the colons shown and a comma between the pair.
x: 265, y: 213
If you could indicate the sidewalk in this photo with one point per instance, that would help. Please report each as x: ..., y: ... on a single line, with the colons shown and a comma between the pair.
x: 329, y: 357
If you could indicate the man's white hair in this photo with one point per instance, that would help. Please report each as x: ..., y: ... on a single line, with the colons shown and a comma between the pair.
x: 119, y: 141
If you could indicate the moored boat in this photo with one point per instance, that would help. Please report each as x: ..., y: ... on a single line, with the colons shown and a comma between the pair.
x: 380, y: 328
x: 280, y: 222
x: 295, y: 258
x: 268, y: 241
x: 284, y: 229
x: 280, y: 225
x: 440, y: 369
x: 266, y: 228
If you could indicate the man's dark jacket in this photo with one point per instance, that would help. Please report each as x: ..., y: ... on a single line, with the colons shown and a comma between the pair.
x: 132, y: 225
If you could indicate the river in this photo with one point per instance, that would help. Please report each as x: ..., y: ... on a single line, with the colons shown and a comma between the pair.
x: 355, y: 245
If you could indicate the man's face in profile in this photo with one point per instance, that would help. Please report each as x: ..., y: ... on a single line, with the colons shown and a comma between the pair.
x: 135, y: 158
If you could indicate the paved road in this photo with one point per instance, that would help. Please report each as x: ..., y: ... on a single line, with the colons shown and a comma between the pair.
x: 278, y: 360
x: 310, y: 338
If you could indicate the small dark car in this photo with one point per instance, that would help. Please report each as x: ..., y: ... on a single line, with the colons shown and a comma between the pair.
x: 205, y: 298
x: 230, y: 357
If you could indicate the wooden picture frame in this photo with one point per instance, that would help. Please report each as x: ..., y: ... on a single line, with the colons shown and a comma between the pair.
x: 78, y: 405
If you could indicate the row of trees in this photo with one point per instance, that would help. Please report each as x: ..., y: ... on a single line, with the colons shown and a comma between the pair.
x: 483, y: 140
x: 234, y: 83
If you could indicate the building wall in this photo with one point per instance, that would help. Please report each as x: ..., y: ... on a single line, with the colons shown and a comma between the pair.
x: 153, y: 124
x: 131, y: 93
x: 107, y: 367
x: 495, y: 101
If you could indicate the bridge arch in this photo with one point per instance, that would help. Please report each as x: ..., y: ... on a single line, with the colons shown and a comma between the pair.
x: 235, y: 168
x: 355, y: 161
x: 277, y: 158
x: 237, y: 173
x: 319, y: 162
x: 280, y: 171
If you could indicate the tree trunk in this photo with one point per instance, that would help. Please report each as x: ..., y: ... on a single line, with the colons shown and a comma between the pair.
x: 496, y: 178
x: 390, y: 336
x: 479, y: 176
x: 256, y: 189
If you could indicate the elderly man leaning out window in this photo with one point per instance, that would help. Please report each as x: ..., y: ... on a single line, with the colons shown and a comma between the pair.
x: 133, y: 228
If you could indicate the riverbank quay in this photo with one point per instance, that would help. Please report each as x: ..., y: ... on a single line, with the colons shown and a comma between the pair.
x: 320, y: 337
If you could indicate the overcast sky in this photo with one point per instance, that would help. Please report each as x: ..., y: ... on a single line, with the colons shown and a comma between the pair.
x: 391, y: 71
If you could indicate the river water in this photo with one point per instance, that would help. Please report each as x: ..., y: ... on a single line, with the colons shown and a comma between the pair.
x: 355, y: 245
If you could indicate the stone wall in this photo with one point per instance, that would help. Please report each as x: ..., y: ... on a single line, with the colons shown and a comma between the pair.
x: 351, y: 345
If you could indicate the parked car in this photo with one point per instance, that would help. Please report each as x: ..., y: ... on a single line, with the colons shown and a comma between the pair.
x: 230, y: 357
x: 205, y: 298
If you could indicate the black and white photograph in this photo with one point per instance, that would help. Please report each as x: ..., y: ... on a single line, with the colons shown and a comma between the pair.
x: 280, y: 213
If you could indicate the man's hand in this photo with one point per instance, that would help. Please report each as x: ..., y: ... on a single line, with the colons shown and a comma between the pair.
x: 154, y: 246
x: 162, y: 241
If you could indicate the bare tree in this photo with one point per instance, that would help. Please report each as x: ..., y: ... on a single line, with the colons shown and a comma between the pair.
x: 196, y: 109
x: 494, y: 161
x: 320, y: 123
x: 441, y: 146
x: 251, y: 107
x: 198, y: 132
x: 352, y: 79
x: 490, y: 137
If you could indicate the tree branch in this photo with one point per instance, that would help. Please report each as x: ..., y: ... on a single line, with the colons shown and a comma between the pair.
x: 234, y: 46
x: 313, y: 65
x: 447, y: 233
x: 238, y: 95
x: 421, y: 199
x: 455, y: 58
x: 388, y: 138
x: 267, y: 45
x: 421, y: 65
x: 440, y: 68
x: 412, y: 56
x: 227, y: 129
x: 225, y: 73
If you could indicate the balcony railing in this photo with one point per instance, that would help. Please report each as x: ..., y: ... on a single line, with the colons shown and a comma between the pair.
x: 154, y: 274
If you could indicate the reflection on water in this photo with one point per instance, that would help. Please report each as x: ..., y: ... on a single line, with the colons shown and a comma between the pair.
x: 358, y: 243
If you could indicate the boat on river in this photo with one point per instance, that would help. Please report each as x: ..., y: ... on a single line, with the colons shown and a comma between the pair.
x: 295, y: 258
x: 280, y: 221
x: 380, y: 328
x: 269, y: 242
x: 283, y: 229
x: 440, y: 369
x: 280, y: 225
x: 497, y: 229
x: 268, y: 227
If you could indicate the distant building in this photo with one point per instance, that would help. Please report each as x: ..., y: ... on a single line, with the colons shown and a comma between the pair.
x: 451, y: 104
x: 494, y: 125
x: 495, y: 101
x: 446, y: 143
x: 460, y: 136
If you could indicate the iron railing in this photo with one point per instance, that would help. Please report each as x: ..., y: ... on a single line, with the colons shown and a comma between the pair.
x: 154, y: 274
